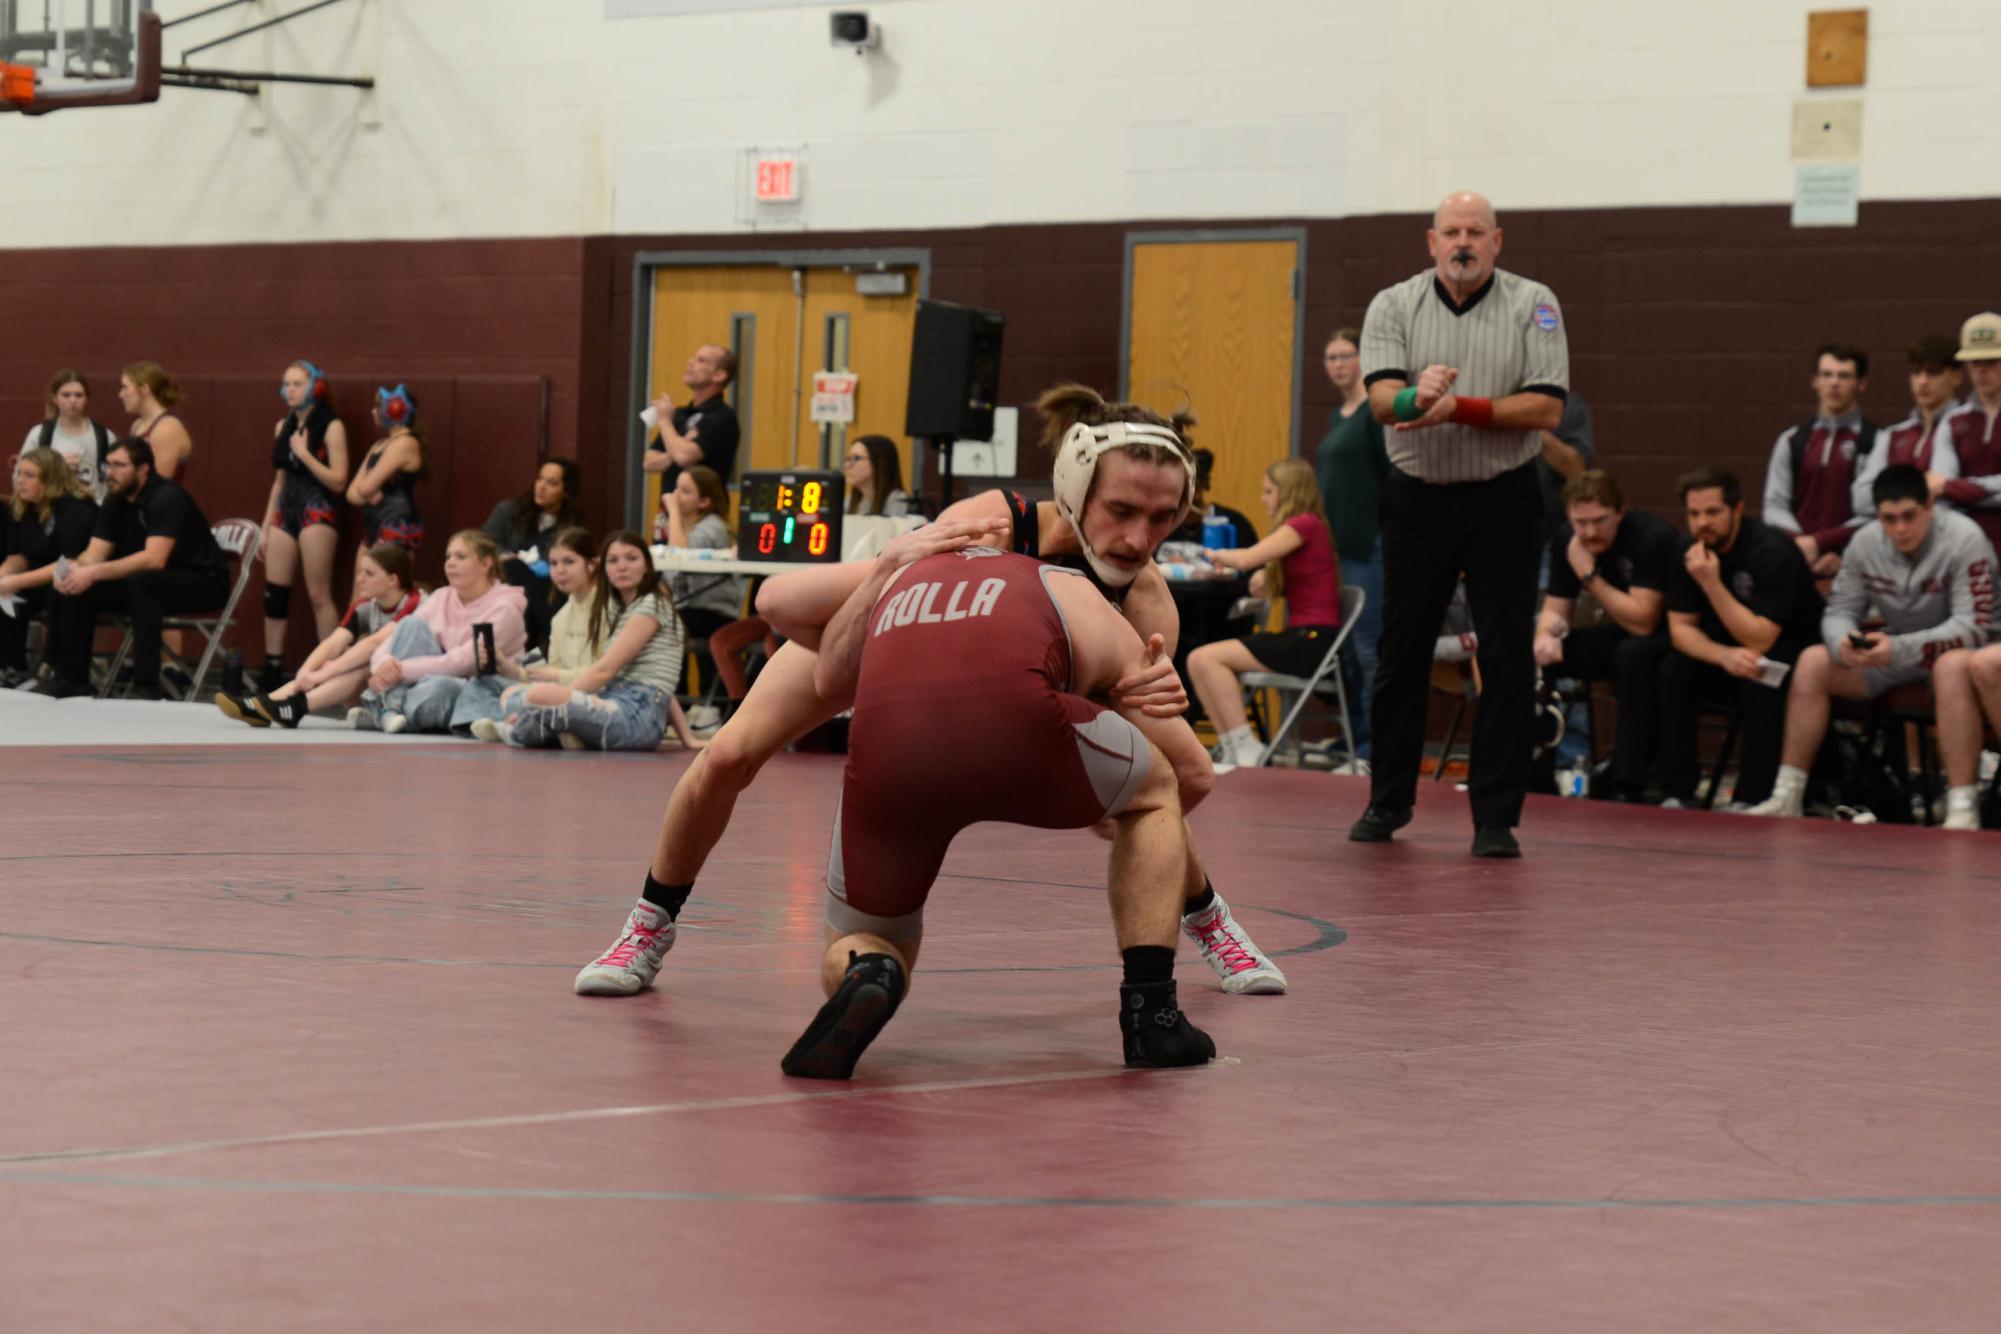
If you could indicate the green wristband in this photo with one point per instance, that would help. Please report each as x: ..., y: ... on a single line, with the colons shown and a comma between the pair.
x: 1405, y: 405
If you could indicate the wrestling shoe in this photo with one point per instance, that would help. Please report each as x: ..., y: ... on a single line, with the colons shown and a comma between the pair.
x: 242, y: 710
x: 633, y: 961
x: 287, y: 712
x: 1245, y: 970
x: 1157, y: 1035
x: 849, y: 1021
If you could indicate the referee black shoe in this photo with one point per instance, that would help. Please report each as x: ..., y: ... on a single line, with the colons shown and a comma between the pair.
x: 1495, y: 840
x: 849, y: 1021
x: 1378, y: 823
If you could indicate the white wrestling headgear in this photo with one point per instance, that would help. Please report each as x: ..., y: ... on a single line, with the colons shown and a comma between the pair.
x: 1077, y: 463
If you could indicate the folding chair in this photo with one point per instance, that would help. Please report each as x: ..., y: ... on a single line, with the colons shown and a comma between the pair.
x: 1305, y: 687
x: 240, y: 538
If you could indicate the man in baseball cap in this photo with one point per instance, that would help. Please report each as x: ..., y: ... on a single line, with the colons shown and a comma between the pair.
x: 1974, y: 432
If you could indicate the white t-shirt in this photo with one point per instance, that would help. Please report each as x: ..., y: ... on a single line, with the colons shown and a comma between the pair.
x: 79, y: 451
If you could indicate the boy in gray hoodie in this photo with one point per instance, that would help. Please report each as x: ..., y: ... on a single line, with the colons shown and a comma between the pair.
x: 1929, y: 574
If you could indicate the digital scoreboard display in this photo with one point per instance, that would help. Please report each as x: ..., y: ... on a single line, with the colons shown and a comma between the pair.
x: 792, y: 516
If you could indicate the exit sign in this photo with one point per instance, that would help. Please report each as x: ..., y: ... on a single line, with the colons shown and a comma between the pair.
x: 776, y: 180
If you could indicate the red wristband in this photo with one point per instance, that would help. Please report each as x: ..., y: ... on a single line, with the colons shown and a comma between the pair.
x: 1473, y: 411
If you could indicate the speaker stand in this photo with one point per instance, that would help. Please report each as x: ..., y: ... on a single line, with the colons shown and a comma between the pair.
x: 943, y: 444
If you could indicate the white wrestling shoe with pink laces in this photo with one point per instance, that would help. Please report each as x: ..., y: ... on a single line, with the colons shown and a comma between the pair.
x: 633, y: 961
x: 1243, y: 967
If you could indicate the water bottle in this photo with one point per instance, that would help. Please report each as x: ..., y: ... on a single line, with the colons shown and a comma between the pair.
x: 1573, y: 782
x: 1218, y: 533
x: 232, y: 673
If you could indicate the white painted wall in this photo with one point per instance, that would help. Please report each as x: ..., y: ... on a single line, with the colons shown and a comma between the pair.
x: 544, y: 117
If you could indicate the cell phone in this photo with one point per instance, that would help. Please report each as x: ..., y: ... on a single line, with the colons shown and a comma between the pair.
x: 485, y: 661
x: 1856, y: 639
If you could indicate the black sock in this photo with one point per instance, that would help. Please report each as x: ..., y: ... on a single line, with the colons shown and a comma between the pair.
x: 668, y: 898
x: 1200, y: 901
x: 1148, y: 964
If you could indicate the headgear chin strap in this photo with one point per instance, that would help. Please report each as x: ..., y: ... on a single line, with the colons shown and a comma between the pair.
x: 1077, y: 464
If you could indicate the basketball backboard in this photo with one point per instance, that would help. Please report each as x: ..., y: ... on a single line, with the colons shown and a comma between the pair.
x: 78, y: 53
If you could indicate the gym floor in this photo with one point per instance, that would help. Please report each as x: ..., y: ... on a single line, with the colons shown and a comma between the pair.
x: 289, y: 1043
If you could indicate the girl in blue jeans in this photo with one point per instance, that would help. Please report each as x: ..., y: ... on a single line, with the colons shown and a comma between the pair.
x: 625, y: 699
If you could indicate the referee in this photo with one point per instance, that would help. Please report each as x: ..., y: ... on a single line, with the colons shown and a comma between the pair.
x: 1469, y: 364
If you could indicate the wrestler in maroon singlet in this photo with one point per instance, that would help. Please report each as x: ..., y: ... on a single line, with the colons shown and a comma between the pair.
x: 976, y: 624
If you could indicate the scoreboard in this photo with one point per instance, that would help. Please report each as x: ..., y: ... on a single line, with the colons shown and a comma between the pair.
x: 793, y: 516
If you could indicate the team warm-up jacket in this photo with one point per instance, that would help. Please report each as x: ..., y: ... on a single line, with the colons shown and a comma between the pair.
x: 1909, y: 441
x: 1809, y: 484
x: 1939, y: 599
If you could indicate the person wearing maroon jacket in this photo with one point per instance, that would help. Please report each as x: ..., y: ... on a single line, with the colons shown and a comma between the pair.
x: 1809, y: 487
x: 1974, y: 432
x: 1937, y: 380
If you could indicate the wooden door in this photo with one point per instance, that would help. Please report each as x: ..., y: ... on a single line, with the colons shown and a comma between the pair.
x: 1212, y: 324
x: 869, y: 335
x: 752, y: 310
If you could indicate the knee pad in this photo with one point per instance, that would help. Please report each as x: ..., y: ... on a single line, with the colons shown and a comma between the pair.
x: 277, y: 601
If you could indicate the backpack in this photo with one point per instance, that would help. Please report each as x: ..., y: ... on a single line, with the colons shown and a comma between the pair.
x: 1865, y: 440
x: 103, y: 440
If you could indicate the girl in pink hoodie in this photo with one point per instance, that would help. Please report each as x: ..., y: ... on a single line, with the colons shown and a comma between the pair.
x: 419, y: 680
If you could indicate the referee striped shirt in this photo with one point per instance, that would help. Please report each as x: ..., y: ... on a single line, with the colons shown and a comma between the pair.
x: 1507, y: 338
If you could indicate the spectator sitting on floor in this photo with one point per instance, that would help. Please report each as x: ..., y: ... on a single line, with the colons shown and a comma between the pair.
x: 1298, y: 561
x: 521, y: 527
x: 624, y: 699
x: 1741, y: 605
x: 428, y: 677
x: 874, y: 473
x: 150, y: 395
x: 1930, y: 573
x: 151, y: 553
x: 337, y: 668
x: 1936, y: 382
x: 1809, y: 485
x: 697, y: 510
x: 69, y: 430
x: 1625, y: 561
x: 573, y: 567
x: 51, y: 516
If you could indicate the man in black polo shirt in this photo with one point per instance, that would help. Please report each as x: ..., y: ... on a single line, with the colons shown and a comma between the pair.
x: 1625, y: 560
x: 152, y: 553
x: 1742, y: 606
x: 706, y: 430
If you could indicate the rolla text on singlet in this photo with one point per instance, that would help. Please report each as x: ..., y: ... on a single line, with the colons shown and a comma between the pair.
x: 919, y: 603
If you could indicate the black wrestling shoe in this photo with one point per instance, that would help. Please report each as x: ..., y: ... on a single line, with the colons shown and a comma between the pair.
x: 242, y: 710
x: 1158, y: 1035
x: 285, y: 712
x: 1495, y: 840
x: 849, y: 1021
x: 1378, y: 823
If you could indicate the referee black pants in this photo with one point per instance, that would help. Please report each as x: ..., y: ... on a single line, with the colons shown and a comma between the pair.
x: 1491, y: 532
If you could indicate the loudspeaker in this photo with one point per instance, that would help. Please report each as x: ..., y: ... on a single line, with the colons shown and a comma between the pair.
x: 954, y: 372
